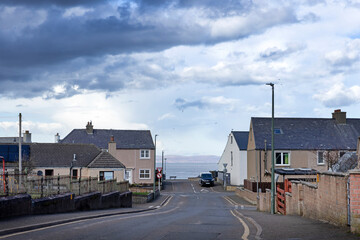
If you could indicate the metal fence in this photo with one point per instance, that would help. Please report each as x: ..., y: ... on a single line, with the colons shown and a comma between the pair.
x: 40, y: 186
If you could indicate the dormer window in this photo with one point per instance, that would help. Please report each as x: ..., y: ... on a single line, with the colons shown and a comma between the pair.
x: 278, y: 131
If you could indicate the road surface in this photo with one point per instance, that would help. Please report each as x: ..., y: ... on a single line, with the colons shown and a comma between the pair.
x: 191, y: 212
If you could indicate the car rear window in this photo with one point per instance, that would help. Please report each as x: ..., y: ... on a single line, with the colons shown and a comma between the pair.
x: 206, y: 175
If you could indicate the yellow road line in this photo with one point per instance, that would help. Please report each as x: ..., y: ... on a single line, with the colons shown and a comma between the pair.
x: 246, y: 227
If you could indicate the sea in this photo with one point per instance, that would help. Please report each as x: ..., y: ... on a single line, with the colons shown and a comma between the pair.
x: 186, y: 170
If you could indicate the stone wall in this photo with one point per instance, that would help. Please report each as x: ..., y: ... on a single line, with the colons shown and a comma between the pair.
x: 15, y: 205
x: 23, y: 204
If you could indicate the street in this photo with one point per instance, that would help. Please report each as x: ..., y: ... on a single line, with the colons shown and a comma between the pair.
x: 191, y: 212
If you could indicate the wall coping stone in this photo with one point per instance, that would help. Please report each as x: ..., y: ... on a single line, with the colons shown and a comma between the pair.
x: 354, y: 171
x: 337, y: 174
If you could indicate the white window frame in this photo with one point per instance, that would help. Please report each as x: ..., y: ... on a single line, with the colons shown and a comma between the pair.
x: 145, y: 172
x: 323, y: 158
x: 282, y: 158
x: 145, y: 154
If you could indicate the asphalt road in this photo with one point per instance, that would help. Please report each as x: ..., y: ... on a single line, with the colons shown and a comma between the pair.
x: 192, y: 212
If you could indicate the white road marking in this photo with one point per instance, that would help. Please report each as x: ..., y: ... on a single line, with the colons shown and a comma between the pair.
x: 193, y: 188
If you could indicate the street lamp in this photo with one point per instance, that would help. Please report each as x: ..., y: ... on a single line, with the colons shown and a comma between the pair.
x: 272, y: 153
x: 154, y: 165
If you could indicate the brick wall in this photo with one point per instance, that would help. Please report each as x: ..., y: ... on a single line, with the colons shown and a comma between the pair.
x: 355, y: 200
x: 326, y: 200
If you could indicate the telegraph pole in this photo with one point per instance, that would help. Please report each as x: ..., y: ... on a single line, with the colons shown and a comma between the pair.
x: 20, y: 155
x: 154, y: 187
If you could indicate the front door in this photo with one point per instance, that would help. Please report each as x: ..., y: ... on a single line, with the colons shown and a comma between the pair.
x: 128, y: 175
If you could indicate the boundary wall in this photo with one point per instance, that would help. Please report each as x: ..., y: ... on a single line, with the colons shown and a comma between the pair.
x: 335, y: 198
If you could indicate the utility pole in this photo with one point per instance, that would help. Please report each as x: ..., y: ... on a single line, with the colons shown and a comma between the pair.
x: 20, y: 155
x: 154, y: 167
x: 272, y: 153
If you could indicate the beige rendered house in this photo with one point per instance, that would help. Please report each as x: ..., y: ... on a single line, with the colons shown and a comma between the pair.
x: 134, y: 148
x: 314, y: 143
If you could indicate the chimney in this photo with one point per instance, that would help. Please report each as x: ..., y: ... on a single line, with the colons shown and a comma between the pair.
x: 27, y: 137
x: 112, y: 145
x: 89, y: 128
x: 339, y: 116
x: 57, y: 138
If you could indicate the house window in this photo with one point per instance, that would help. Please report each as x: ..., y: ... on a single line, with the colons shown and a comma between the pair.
x: 49, y: 172
x: 74, y: 173
x: 106, y: 175
x: 144, y: 173
x: 231, y: 139
x: 320, y: 158
x: 145, y: 154
x: 282, y: 158
x: 232, y: 159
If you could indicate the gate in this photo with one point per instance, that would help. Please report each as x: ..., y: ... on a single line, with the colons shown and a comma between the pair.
x: 280, y: 196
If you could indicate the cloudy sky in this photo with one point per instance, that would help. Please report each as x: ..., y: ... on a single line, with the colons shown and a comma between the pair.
x: 190, y: 71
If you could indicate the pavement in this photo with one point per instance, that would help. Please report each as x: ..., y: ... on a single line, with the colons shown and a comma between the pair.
x: 30, y: 222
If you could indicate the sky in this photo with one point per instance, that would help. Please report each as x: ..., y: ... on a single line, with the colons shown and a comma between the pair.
x: 189, y: 71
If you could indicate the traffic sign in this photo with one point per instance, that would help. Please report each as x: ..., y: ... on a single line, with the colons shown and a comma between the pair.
x: 159, y: 169
x: 158, y: 175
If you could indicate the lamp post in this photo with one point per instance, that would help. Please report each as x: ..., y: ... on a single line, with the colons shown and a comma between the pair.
x: 272, y: 153
x: 154, y: 166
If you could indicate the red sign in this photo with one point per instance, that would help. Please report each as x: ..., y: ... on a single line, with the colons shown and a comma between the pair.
x: 158, y: 175
x: 159, y: 169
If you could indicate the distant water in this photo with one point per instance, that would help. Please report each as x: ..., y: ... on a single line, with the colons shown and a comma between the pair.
x: 186, y: 170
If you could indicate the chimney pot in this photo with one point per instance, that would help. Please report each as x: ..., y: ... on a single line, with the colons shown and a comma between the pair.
x: 89, y: 128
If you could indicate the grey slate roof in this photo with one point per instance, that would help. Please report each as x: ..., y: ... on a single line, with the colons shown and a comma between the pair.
x: 106, y: 159
x: 241, y: 138
x: 61, y: 155
x: 307, y: 133
x: 125, y: 139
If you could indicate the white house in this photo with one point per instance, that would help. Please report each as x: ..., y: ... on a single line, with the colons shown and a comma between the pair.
x: 235, y: 156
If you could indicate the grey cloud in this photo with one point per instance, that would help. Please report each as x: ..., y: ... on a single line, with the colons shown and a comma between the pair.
x: 275, y: 53
x: 64, y: 3
x: 341, y: 100
x: 183, y: 104
x: 48, y: 50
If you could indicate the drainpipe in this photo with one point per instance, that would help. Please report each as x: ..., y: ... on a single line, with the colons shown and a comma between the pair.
x: 348, y: 201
